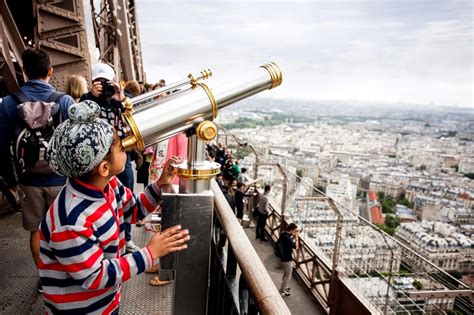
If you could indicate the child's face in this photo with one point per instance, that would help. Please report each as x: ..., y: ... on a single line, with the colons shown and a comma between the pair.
x: 118, y: 157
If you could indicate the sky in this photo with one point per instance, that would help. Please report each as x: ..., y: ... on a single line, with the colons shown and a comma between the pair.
x: 418, y: 52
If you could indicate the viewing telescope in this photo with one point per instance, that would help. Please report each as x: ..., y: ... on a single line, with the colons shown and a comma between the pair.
x: 190, y: 106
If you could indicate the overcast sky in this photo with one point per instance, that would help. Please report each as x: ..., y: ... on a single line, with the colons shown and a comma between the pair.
x: 409, y: 51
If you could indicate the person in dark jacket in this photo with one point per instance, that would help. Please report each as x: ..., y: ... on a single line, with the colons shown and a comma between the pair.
x: 290, y: 241
x: 39, y: 189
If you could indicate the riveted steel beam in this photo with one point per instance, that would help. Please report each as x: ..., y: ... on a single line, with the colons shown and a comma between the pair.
x: 61, y: 32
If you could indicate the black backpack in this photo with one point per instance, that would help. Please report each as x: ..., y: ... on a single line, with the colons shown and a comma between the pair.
x: 31, y: 137
x: 278, y: 248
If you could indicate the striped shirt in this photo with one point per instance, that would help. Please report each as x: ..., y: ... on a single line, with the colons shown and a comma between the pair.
x: 83, y: 260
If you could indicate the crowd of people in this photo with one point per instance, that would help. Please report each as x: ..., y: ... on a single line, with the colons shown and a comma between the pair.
x: 233, y: 181
x: 62, y: 159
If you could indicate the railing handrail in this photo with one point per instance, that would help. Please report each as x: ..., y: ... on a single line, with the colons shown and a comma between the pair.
x: 261, y: 286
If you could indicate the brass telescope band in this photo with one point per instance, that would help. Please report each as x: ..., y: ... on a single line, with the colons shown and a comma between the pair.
x: 161, y: 119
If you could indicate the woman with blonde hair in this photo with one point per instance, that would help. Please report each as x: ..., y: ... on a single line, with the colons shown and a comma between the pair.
x: 76, y: 86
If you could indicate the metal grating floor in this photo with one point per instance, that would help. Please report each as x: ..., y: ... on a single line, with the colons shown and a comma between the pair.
x: 138, y: 297
x: 19, y: 278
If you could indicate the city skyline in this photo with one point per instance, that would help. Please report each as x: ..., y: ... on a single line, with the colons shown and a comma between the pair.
x: 342, y: 50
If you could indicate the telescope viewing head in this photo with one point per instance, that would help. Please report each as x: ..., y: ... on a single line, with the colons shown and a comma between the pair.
x: 190, y: 106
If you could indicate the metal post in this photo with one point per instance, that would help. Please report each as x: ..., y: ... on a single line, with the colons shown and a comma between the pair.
x: 193, y: 209
x: 255, y: 165
x: 389, y: 280
x: 195, y: 160
x: 283, y: 197
x: 189, y: 268
x: 335, y: 259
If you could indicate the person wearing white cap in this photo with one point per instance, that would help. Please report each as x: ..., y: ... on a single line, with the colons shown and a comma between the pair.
x: 106, y: 92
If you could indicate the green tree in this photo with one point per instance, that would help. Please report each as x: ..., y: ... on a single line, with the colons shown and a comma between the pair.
x: 386, y: 229
x: 417, y: 284
x: 405, y: 202
x: 469, y: 175
x: 387, y: 207
x: 392, y: 221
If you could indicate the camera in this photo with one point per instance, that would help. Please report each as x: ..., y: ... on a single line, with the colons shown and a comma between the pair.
x: 108, y: 89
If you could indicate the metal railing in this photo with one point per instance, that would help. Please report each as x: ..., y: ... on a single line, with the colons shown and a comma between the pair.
x: 239, y: 253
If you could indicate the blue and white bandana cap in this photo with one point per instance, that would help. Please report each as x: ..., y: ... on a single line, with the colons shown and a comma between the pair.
x: 81, y: 142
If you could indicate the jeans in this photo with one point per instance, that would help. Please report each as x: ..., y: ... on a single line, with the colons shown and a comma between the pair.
x: 261, y: 222
x: 287, y: 272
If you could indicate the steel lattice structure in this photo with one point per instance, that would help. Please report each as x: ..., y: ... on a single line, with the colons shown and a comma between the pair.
x: 117, y: 37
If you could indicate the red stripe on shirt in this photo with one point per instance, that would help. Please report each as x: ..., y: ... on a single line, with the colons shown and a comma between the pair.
x: 74, y: 297
x: 113, y: 305
x: 96, y: 215
x: 110, y: 239
x: 69, y: 235
x: 146, y: 203
x: 86, y: 264
x: 125, y: 269
x: 97, y: 280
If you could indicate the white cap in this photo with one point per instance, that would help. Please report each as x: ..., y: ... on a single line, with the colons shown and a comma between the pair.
x: 102, y: 70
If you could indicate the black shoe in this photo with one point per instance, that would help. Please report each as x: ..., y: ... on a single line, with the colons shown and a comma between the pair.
x: 285, y: 293
x: 40, y: 287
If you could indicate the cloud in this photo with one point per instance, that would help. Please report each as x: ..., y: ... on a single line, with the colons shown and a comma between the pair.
x: 385, y: 51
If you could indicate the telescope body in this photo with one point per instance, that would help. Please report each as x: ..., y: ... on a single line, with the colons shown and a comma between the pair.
x: 161, y: 118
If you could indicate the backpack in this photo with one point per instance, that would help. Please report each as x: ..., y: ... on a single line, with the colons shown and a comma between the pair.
x: 278, y: 248
x: 31, y: 137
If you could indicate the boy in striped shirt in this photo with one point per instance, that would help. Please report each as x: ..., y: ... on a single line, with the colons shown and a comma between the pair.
x: 83, y: 259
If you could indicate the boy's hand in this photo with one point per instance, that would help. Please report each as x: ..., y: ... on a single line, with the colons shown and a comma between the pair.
x: 171, y: 240
x: 167, y: 175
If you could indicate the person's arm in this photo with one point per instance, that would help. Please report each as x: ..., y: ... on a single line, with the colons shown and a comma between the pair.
x: 75, y: 250
x: 296, y: 239
x: 83, y: 259
x: 119, y: 95
x: 296, y: 242
x: 137, y: 207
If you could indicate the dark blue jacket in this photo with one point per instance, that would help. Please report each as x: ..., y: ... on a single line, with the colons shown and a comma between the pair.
x: 35, y: 90
x: 288, y: 245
